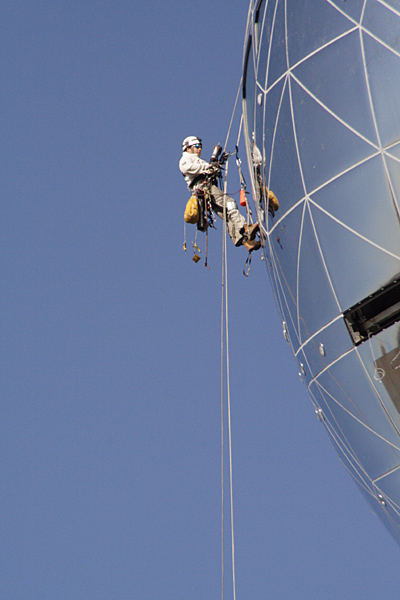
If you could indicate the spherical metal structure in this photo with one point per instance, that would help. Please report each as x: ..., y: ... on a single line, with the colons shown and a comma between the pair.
x: 321, y: 89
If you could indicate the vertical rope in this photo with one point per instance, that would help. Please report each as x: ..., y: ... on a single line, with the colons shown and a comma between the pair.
x: 228, y: 392
x: 233, y: 113
x: 225, y: 345
x: 222, y: 404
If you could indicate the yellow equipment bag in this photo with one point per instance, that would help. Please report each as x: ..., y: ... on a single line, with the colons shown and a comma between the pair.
x: 192, y: 210
x: 273, y: 200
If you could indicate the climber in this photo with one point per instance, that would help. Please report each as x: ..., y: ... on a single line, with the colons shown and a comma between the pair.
x: 262, y: 192
x: 199, y: 175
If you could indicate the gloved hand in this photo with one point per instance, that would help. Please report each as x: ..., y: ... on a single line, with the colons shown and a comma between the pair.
x: 214, y: 170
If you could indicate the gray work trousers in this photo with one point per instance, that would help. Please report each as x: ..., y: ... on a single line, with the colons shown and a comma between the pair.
x: 235, y: 221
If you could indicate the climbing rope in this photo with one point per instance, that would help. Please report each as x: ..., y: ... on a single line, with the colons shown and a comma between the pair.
x: 225, y: 374
x: 233, y: 115
x: 243, y: 186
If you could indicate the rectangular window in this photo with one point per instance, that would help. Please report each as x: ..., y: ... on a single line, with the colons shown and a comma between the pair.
x: 374, y: 313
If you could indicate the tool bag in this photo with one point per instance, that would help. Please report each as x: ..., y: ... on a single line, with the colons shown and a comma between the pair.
x: 191, y: 214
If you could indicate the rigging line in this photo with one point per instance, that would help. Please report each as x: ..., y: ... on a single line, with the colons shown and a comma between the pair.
x: 222, y: 399
x: 240, y: 130
x: 225, y: 345
x: 233, y: 113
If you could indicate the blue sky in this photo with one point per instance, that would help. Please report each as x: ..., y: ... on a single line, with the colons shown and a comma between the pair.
x: 110, y: 421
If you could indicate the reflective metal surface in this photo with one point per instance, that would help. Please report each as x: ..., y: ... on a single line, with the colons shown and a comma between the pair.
x: 322, y: 124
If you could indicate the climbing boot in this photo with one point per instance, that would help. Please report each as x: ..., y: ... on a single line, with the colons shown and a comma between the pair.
x: 251, y: 230
x: 252, y: 245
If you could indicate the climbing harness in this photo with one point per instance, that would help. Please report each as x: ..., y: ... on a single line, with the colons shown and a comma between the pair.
x: 206, y: 218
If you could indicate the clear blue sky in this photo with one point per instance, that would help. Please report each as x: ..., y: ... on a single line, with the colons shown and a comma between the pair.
x: 110, y: 421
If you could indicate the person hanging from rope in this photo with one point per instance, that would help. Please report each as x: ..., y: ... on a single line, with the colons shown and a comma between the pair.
x: 201, y: 177
x: 263, y: 194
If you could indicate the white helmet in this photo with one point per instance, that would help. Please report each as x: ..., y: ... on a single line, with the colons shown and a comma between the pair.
x: 190, y: 141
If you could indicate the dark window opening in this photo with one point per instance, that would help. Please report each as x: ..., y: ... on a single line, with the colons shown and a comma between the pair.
x: 246, y: 63
x: 258, y: 8
x: 257, y: 24
x: 375, y: 313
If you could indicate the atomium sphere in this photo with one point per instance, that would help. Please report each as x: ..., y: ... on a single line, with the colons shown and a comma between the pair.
x: 321, y: 104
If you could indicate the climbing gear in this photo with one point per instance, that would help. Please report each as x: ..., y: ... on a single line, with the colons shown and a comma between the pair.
x: 196, y: 253
x: 247, y: 265
x: 239, y: 166
x: 202, y: 220
x: 196, y: 250
x: 191, y: 214
x: 206, y: 219
x: 191, y: 140
x: 198, y: 210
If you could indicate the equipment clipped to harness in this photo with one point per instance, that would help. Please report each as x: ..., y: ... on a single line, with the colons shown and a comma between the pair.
x: 196, y: 250
x: 191, y: 214
x: 247, y: 265
x: 196, y: 253
x: 198, y: 211
x: 206, y: 218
